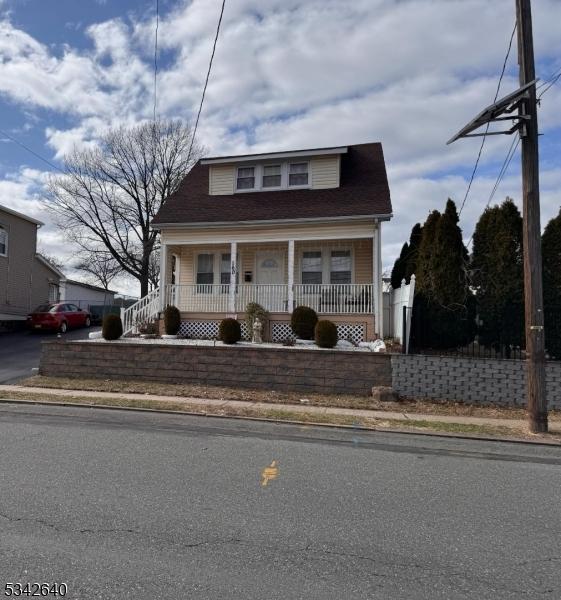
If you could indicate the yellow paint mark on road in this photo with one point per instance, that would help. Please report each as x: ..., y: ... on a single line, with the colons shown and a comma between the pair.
x: 269, y: 473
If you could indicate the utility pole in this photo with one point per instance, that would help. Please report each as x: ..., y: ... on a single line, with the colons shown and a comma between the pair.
x: 533, y: 286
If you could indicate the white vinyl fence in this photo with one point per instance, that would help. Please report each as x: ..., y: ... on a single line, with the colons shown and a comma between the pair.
x: 394, y: 302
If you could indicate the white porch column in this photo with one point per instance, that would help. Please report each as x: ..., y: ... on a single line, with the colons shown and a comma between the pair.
x: 290, y: 304
x: 163, y: 274
x: 233, y: 271
x: 377, y: 280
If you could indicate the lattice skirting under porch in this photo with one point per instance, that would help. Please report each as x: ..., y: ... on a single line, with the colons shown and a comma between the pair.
x: 280, y: 330
x: 356, y: 332
x: 206, y: 330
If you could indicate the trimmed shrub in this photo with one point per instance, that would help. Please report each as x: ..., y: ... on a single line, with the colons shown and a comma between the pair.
x: 303, y: 321
x: 253, y: 311
x: 172, y: 320
x: 112, y: 327
x: 326, y: 334
x: 230, y: 331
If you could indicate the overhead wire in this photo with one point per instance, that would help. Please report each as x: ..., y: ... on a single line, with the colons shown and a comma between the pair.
x: 475, y: 167
x: 156, y: 58
x: 514, y: 146
x: 31, y: 151
x: 206, y: 81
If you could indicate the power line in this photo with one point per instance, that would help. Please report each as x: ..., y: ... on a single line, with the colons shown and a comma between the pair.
x: 156, y: 57
x: 13, y: 139
x: 487, y: 126
x: 506, y: 163
x: 206, y: 81
x: 552, y: 81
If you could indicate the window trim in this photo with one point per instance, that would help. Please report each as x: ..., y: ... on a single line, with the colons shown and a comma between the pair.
x: 216, y: 267
x: 4, y: 230
x: 255, y: 178
x: 308, y: 173
x: 326, y: 262
x: 258, y: 173
x: 282, y: 176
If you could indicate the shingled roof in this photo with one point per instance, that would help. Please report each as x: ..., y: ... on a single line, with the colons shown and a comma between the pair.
x: 363, y: 191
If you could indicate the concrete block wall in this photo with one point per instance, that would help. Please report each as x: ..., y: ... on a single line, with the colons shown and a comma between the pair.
x: 469, y: 380
x: 281, y: 369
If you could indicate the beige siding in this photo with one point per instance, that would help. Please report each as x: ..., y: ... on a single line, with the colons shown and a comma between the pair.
x: 16, y: 268
x: 221, y: 179
x: 270, y: 233
x: 325, y: 172
x: 361, y: 254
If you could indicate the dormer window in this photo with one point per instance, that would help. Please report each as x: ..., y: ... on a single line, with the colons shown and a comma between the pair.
x: 246, y: 178
x: 298, y: 174
x: 272, y: 176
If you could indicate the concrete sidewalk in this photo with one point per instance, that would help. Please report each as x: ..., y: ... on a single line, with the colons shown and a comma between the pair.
x: 201, y: 403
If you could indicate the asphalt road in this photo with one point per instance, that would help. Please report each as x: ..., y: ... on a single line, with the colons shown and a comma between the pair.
x: 20, y: 352
x: 123, y: 505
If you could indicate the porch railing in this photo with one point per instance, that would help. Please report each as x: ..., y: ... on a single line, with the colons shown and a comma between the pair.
x: 326, y: 298
x: 342, y: 298
x: 144, y: 310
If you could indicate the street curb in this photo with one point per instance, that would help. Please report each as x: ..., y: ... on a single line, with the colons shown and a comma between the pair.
x: 465, y: 436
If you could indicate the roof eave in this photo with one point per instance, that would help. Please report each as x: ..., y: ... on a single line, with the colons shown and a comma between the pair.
x: 206, y: 224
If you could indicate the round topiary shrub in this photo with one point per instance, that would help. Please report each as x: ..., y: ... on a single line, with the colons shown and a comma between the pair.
x: 112, y: 327
x: 230, y: 331
x: 303, y: 321
x: 172, y: 320
x: 326, y: 334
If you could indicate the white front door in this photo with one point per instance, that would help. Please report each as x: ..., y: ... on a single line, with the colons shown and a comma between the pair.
x: 270, y: 267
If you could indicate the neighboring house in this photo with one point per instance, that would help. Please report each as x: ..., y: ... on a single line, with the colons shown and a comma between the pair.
x: 85, y: 295
x: 282, y: 229
x: 26, y: 279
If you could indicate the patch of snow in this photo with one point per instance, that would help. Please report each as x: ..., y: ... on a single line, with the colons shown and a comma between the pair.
x: 375, y: 346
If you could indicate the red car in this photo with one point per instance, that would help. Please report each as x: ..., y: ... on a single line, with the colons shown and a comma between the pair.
x: 58, y: 317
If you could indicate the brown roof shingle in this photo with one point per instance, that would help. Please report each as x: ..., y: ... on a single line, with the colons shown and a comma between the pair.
x: 363, y: 190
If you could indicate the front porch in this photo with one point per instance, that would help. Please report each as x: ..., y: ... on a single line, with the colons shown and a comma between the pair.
x: 336, y: 271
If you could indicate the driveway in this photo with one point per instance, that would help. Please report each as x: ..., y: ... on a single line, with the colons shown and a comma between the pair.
x: 127, y: 505
x: 20, y: 352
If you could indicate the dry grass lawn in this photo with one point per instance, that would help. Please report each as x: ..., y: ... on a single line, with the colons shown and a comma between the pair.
x: 272, y: 397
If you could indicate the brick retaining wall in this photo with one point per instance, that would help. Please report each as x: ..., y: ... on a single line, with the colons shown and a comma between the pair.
x: 282, y: 369
x: 470, y: 380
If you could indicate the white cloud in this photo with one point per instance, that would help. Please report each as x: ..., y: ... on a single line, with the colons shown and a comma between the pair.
x: 290, y: 74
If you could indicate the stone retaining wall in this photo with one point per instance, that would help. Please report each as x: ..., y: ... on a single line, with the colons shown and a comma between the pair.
x: 470, y: 380
x: 282, y: 369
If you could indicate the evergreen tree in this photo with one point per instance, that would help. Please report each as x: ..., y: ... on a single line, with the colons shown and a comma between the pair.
x: 413, y: 253
x: 497, y: 275
x: 424, y: 279
x: 443, y: 313
x: 551, y: 252
x: 398, y: 271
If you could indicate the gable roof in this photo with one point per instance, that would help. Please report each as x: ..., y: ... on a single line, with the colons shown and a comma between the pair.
x: 49, y: 265
x: 89, y: 286
x: 363, y: 191
x: 20, y: 215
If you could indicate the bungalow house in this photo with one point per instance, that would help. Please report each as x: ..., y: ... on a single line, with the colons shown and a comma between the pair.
x: 282, y: 229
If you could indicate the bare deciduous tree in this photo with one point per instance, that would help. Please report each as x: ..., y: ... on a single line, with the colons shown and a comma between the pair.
x: 99, y: 264
x: 108, y: 195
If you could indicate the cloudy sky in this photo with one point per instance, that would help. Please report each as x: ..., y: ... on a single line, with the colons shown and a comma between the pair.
x: 287, y: 74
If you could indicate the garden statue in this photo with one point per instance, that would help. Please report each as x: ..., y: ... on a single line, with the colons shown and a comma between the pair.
x: 257, y: 330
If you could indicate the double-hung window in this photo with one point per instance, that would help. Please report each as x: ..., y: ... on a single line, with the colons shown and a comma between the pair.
x: 340, y: 266
x: 298, y: 174
x: 312, y: 267
x: 246, y: 178
x: 3, y: 242
x: 205, y: 269
x: 271, y: 176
